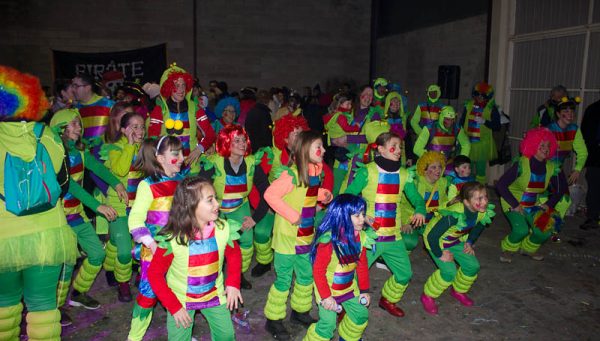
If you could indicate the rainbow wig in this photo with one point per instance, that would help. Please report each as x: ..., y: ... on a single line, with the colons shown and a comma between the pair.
x: 21, y: 96
x: 224, y: 103
x: 337, y: 221
x: 226, y: 136
x: 483, y: 88
x: 427, y: 159
x: 167, y: 81
x: 532, y: 140
x: 284, y: 126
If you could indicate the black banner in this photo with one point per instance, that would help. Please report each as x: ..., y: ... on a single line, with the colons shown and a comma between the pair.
x: 146, y: 64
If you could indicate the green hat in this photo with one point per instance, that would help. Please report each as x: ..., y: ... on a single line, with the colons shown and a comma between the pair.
x: 375, y: 128
x: 61, y: 118
x: 434, y: 88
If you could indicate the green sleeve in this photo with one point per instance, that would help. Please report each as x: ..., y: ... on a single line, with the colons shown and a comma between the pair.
x: 141, y: 205
x: 360, y: 181
x: 475, y: 233
x: 86, y: 199
x: 99, y: 169
x: 415, y: 198
x: 421, y: 142
x: 437, y: 232
x: 452, y: 191
x: 465, y: 145
x: 581, y: 151
x: 120, y: 161
x: 414, y: 121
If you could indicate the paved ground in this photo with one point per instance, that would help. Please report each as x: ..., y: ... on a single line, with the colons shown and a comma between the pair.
x: 556, y: 299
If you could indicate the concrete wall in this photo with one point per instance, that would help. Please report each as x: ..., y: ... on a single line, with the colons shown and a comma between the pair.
x: 262, y: 43
x: 412, y: 58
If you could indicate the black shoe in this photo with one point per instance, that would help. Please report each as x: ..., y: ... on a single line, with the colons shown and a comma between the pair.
x: 65, y: 319
x: 124, y: 292
x: 138, y: 279
x: 110, y: 279
x: 83, y: 300
x: 260, y: 269
x: 244, y: 284
x: 277, y: 330
x: 589, y: 225
x: 302, y: 318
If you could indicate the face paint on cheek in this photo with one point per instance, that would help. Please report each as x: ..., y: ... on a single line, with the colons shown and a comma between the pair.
x: 392, y: 150
x: 318, y: 152
x: 173, y: 161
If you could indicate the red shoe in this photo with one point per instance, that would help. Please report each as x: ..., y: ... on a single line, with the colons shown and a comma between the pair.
x: 462, y: 298
x: 390, y: 307
x: 429, y: 304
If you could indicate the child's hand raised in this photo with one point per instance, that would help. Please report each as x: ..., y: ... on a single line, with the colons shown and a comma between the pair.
x: 233, y: 296
x: 182, y: 318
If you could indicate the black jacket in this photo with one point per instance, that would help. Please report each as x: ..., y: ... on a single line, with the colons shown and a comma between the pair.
x: 258, y: 126
x: 590, y: 129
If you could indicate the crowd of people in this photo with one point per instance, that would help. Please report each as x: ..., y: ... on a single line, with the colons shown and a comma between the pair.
x: 186, y: 187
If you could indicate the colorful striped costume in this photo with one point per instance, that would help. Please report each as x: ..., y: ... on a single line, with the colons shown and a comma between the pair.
x: 339, y: 281
x: 383, y: 198
x: 448, y: 231
x: 95, y: 116
x: 189, y: 276
x: 292, y: 243
x: 119, y: 159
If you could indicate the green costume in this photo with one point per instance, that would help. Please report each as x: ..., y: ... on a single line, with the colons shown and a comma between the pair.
x: 382, y: 194
x: 33, y: 247
x: 449, y: 230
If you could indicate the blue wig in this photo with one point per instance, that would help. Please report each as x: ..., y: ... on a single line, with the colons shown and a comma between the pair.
x: 337, y: 221
x: 224, y: 103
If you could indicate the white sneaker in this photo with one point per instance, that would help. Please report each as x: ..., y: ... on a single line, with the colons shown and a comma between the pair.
x: 381, y: 265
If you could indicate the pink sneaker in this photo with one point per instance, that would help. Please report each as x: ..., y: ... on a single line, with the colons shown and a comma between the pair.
x: 429, y: 304
x: 462, y: 298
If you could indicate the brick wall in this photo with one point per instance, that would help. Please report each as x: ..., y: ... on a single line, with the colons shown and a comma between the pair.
x: 412, y: 58
x: 262, y: 43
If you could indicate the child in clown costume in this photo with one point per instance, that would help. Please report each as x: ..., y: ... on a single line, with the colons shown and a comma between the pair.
x: 339, y: 256
x: 449, y: 238
x: 234, y: 170
x: 460, y: 175
x: 227, y: 111
x: 481, y: 117
x: 177, y: 114
x: 520, y: 188
x: 339, y: 126
x: 285, y: 131
x: 379, y: 93
x: 119, y: 159
x: 294, y: 196
x: 433, y: 188
x: 569, y: 139
x: 186, y: 272
x: 443, y: 136
x: 160, y: 160
x: 381, y: 184
x: 35, y: 246
x: 398, y: 120
x: 426, y: 114
x: 67, y: 123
